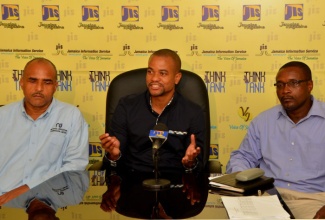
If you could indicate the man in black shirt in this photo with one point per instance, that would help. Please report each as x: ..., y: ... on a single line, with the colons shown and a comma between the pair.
x: 127, y: 139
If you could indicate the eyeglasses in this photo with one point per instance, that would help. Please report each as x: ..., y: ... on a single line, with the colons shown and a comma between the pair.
x: 290, y: 84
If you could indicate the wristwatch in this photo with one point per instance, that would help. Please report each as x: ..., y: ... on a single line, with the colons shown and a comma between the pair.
x: 113, y: 162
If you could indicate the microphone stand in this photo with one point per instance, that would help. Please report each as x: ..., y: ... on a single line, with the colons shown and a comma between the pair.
x: 156, y: 184
x: 155, y: 161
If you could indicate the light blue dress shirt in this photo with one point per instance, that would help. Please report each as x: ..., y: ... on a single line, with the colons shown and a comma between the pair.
x: 34, y: 151
x: 294, y: 154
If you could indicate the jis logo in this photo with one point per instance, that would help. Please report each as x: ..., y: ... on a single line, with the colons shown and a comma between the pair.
x: 10, y: 12
x: 214, y: 151
x: 50, y: 13
x: 159, y: 134
x: 251, y: 13
x: 210, y: 13
x: 95, y: 149
x: 169, y: 13
x: 294, y: 12
x: 90, y: 13
x: 130, y: 13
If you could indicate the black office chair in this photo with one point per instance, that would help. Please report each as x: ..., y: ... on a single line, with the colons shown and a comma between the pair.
x: 191, y: 87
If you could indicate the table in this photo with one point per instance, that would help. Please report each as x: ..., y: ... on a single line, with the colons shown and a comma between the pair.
x: 134, y: 200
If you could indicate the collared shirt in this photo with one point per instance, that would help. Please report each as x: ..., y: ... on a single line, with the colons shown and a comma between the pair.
x: 294, y: 154
x: 32, y: 151
x: 133, y: 119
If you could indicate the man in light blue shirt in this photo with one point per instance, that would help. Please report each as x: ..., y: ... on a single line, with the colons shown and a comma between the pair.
x: 40, y: 136
x: 288, y: 141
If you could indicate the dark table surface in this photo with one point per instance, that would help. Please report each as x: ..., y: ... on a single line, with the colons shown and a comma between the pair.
x: 115, y: 194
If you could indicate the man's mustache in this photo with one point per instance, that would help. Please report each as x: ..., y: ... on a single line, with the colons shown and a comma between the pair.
x: 38, y: 94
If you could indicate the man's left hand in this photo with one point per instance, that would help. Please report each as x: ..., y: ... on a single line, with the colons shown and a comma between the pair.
x: 191, y: 153
x: 321, y: 213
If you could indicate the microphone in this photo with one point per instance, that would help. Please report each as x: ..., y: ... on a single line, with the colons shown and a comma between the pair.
x: 158, y: 136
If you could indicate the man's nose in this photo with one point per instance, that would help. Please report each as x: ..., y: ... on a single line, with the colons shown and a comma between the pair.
x: 39, y: 86
x: 155, y: 77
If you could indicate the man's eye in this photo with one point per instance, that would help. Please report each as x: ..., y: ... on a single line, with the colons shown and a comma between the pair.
x: 294, y: 83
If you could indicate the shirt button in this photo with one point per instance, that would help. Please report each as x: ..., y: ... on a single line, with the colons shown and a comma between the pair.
x: 292, y: 143
x: 290, y: 159
x: 288, y: 184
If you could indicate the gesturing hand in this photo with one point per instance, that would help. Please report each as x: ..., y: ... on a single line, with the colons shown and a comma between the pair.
x: 191, y: 153
x: 112, y: 195
x: 190, y: 188
x: 111, y: 145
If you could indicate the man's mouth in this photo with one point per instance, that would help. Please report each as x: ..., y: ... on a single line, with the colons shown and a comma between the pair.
x: 286, y: 99
x: 154, y: 85
x: 38, y: 95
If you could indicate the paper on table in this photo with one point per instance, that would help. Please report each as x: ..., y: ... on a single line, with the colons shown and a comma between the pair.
x: 254, y: 207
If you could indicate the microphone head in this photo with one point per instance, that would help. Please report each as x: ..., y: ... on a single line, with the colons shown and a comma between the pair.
x: 160, y: 132
x: 160, y: 127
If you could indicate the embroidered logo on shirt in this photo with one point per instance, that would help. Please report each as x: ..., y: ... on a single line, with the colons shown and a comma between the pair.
x: 60, y: 191
x: 58, y: 128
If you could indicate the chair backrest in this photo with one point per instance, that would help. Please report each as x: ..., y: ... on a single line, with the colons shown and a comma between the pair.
x: 191, y: 87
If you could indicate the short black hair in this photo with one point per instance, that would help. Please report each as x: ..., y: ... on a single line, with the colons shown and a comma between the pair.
x: 169, y: 53
x: 304, y: 67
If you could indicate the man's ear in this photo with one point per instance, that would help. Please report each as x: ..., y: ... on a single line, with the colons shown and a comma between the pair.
x: 178, y: 77
x: 310, y: 85
x: 21, y: 82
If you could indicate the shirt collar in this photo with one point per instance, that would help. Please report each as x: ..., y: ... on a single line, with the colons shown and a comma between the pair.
x: 174, y: 99
x: 315, y: 110
x: 45, y: 114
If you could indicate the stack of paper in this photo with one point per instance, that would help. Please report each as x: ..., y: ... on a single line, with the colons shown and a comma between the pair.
x: 229, y: 182
x: 254, y: 207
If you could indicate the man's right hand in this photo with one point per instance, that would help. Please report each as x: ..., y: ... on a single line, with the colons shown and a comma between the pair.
x: 112, y: 195
x: 13, y: 194
x: 111, y: 145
